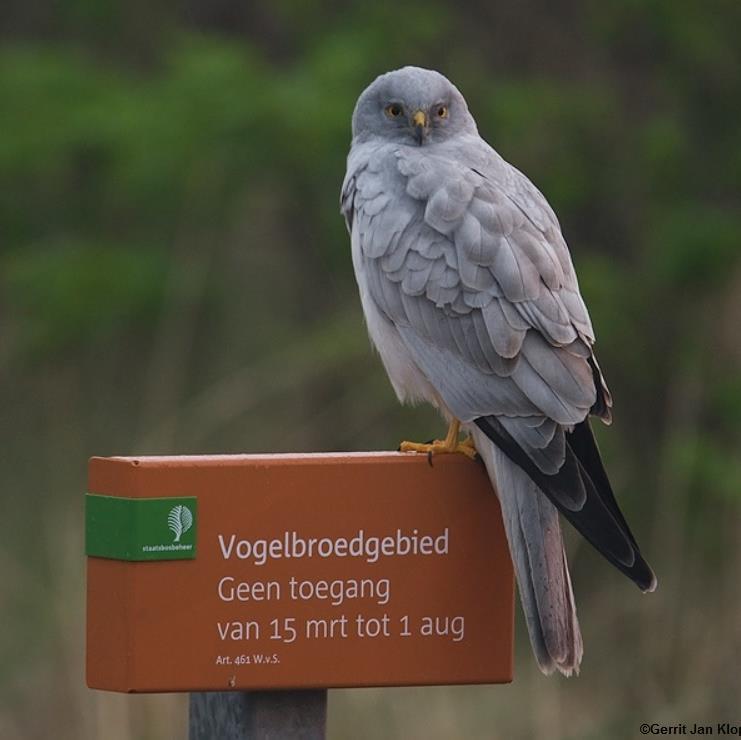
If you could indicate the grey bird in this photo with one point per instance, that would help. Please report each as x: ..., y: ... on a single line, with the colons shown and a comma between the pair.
x: 471, y: 299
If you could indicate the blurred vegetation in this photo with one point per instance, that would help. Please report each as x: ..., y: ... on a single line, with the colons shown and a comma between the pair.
x: 175, y: 277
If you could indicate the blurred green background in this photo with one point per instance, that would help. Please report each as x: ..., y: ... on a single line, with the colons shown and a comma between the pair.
x: 175, y: 277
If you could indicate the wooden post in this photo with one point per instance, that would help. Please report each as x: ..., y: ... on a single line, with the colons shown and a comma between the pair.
x: 258, y: 715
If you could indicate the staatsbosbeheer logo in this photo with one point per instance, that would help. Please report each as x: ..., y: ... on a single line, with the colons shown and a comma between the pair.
x: 179, y: 520
x: 137, y: 528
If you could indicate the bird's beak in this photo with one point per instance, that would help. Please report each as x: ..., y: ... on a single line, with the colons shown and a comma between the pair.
x: 419, y: 122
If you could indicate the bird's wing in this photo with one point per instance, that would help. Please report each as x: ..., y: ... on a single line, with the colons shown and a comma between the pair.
x: 485, y: 297
x: 480, y: 297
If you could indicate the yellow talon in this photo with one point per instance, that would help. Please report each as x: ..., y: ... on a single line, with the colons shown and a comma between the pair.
x: 467, y: 447
x: 448, y: 445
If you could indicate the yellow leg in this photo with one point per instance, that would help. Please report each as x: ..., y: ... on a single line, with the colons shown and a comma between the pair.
x: 446, y: 446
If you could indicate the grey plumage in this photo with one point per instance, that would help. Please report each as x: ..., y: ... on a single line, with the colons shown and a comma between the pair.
x: 472, y: 300
x: 537, y: 549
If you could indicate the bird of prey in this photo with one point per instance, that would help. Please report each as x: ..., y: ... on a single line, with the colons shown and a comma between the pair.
x: 471, y: 299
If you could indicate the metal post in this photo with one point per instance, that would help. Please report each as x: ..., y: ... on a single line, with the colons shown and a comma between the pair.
x: 258, y: 715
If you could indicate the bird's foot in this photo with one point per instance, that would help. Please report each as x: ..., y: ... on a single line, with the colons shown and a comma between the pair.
x: 467, y: 447
x: 449, y: 445
x: 439, y: 447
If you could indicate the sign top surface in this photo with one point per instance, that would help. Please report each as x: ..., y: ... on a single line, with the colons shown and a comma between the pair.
x: 280, y: 459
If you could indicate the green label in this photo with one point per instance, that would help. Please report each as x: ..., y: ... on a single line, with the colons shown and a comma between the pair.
x: 140, y: 528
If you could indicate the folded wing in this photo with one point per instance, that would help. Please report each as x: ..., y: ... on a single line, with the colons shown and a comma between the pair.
x: 470, y: 266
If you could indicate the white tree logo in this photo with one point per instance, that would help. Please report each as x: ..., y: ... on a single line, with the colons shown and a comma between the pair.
x: 179, y: 520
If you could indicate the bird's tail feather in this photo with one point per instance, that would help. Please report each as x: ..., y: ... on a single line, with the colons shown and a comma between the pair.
x: 534, y: 534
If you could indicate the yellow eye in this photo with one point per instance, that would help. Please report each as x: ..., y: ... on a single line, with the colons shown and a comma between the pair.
x: 442, y: 111
x: 393, y: 111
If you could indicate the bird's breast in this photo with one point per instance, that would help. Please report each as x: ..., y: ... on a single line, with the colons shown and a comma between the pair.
x: 408, y: 381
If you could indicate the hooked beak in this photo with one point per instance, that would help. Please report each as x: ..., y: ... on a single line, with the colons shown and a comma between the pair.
x: 419, y: 122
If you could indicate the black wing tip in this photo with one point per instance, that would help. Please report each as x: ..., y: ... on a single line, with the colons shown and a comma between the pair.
x: 650, y: 584
x: 640, y: 572
x: 600, y: 513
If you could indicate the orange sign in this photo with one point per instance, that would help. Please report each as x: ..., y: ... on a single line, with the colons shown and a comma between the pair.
x: 296, y: 571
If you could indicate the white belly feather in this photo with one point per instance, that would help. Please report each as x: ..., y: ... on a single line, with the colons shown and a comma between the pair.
x: 407, y: 379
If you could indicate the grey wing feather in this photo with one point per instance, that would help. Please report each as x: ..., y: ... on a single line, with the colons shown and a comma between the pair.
x: 463, y: 387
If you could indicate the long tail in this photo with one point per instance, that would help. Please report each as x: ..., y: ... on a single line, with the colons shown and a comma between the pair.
x: 535, y: 542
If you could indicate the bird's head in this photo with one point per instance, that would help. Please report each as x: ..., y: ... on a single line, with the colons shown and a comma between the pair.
x: 412, y: 106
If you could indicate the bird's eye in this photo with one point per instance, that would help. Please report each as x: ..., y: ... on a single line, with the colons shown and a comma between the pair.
x: 393, y: 110
x: 442, y: 111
